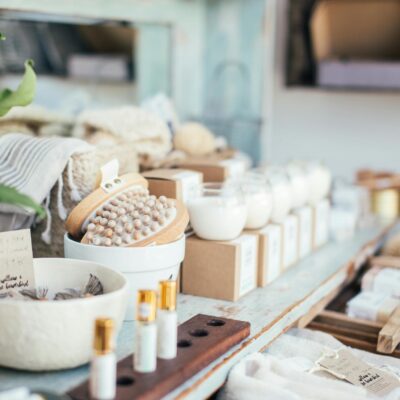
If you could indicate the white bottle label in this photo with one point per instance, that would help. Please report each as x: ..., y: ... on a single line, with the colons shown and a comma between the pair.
x: 273, y: 261
x: 190, y: 184
x: 305, y: 223
x: 290, y: 240
x: 248, y: 263
x: 321, y: 222
x: 145, y: 356
x: 103, y: 376
x: 167, y: 334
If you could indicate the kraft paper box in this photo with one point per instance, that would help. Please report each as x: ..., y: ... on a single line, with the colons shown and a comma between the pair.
x: 290, y: 241
x: 216, y: 170
x: 321, y: 223
x: 305, y: 216
x: 177, y: 184
x: 220, y: 270
x: 269, y: 253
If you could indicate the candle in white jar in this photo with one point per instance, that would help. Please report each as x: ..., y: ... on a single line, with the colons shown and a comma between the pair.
x: 218, y: 213
x: 281, y: 192
x: 299, y: 185
x: 258, y: 200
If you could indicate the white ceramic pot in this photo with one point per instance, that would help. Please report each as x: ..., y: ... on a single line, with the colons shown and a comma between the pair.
x: 53, y: 335
x: 143, y: 267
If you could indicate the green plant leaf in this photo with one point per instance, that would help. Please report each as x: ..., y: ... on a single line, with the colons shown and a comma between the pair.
x: 24, y: 93
x: 9, y: 195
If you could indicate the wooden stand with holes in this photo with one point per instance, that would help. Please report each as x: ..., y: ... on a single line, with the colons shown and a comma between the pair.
x: 201, y: 340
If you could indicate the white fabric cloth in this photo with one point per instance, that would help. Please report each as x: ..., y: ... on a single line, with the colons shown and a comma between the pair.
x: 34, y: 165
x: 283, y: 372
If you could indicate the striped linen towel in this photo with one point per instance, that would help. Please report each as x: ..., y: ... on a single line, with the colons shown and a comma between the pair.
x: 34, y: 165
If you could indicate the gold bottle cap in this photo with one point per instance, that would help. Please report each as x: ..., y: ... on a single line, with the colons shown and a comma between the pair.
x: 167, y: 300
x: 103, y: 335
x: 146, y: 305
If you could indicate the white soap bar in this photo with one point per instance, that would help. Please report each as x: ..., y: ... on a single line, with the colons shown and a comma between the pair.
x: 273, y: 261
x: 290, y: 228
x: 372, y: 306
x: 248, y: 263
x: 386, y: 280
x: 304, y: 214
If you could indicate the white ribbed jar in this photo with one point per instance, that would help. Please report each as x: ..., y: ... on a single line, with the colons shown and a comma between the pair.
x: 299, y: 184
x: 258, y: 198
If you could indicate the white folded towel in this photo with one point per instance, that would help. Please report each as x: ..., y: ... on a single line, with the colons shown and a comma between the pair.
x: 34, y: 165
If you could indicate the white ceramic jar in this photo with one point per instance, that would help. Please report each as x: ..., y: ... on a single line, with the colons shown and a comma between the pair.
x: 218, y: 212
x: 280, y: 189
x: 319, y: 180
x: 299, y: 184
x: 258, y: 199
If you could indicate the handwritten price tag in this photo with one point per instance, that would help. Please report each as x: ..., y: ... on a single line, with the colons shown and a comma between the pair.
x: 16, y: 261
x: 344, y: 364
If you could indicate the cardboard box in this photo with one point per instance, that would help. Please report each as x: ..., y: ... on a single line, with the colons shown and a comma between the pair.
x: 321, y: 223
x: 305, y: 216
x: 215, y: 170
x: 174, y: 183
x: 354, y: 29
x: 290, y: 241
x: 220, y: 270
x: 269, y: 253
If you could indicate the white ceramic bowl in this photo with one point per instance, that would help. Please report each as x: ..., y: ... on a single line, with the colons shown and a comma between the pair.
x: 143, y: 267
x: 52, y: 335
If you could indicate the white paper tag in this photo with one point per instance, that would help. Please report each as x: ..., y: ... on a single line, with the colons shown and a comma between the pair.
x: 305, y: 230
x: 273, y: 261
x: 235, y: 167
x: 190, y: 184
x: 290, y: 240
x: 16, y: 261
x: 344, y: 365
x: 109, y: 172
x: 321, y: 223
x: 248, y: 263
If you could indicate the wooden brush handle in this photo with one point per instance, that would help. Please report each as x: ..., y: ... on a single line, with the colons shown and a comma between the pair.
x: 389, y: 335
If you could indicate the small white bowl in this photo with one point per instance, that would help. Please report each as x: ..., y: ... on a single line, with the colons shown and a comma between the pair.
x: 53, y: 335
x: 143, y: 267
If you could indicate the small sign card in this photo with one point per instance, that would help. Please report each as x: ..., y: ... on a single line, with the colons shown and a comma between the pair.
x: 350, y: 368
x: 16, y: 261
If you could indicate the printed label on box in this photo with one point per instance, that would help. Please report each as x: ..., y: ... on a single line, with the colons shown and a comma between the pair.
x: 305, y: 228
x: 236, y: 168
x: 321, y: 222
x: 248, y: 263
x: 290, y: 240
x: 190, y: 183
x: 272, y: 264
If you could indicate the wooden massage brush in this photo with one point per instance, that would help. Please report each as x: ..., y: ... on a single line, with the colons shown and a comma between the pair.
x: 123, y: 213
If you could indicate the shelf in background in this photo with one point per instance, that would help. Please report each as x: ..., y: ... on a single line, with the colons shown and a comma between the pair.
x: 301, y: 290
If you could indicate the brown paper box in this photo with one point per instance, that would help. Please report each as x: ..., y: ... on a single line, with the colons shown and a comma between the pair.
x: 220, y: 270
x: 269, y: 253
x: 215, y: 170
x: 173, y: 183
x: 356, y: 29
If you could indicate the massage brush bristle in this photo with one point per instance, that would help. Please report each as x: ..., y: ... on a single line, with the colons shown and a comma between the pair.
x: 129, y: 218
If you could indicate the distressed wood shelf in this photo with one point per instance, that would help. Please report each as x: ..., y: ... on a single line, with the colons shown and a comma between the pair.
x: 293, y: 299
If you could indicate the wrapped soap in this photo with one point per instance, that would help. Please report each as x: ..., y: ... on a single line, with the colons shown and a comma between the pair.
x: 372, y: 306
x: 382, y: 280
